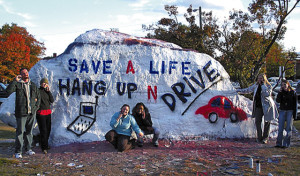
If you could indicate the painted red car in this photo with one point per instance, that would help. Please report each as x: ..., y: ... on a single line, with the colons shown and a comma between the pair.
x: 221, y: 106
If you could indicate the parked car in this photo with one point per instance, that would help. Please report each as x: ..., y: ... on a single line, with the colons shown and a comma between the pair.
x: 236, y: 85
x: 3, y: 94
x: 221, y: 106
x: 294, y: 85
x: 297, y: 89
x: 273, y: 80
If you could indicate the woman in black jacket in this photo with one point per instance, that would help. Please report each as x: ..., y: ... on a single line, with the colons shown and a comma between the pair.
x: 288, y: 108
x: 43, y: 115
x: 143, y: 119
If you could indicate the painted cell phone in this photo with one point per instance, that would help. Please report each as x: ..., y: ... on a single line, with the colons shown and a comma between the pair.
x: 86, y: 119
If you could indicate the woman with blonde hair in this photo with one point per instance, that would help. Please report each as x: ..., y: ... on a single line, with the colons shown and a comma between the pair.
x: 263, y: 106
x: 288, y: 108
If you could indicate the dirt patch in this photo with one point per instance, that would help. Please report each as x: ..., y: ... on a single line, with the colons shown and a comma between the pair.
x: 211, y: 157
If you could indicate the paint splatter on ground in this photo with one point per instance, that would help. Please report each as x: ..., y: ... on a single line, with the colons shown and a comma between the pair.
x: 185, y: 157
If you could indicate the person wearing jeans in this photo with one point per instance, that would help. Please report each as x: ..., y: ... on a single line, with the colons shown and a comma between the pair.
x: 143, y: 119
x: 288, y: 108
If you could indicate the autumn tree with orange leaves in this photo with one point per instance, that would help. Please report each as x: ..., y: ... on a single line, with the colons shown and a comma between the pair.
x: 18, y: 49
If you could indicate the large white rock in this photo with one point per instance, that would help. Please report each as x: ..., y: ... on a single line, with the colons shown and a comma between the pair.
x: 122, y: 69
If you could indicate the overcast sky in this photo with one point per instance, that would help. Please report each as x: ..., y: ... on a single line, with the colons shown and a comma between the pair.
x: 58, y: 22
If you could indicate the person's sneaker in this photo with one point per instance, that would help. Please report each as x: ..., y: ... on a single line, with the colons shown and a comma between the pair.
x: 45, y: 151
x: 278, y: 146
x: 265, y: 141
x: 18, y: 155
x: 30, y: 152
x: 155, y: 144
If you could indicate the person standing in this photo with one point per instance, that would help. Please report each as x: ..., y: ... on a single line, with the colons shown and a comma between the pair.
x: 26, y: 104
x: 43, y: 115
x: 263, y: 106
x: 122, y: 124
x: 143, y: 119
x: 288, y: 108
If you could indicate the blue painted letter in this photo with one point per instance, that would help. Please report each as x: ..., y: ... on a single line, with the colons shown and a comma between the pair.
x: 107, y: 67
x: 71, y: 64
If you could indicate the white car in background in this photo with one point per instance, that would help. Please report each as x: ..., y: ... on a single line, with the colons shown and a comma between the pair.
x: 273, y: 80
x: 236, y: 85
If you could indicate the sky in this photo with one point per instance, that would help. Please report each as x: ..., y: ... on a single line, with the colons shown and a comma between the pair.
x: 57, y: 23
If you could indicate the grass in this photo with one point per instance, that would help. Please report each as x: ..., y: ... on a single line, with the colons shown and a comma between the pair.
x: 8, y: 161
x: 297, y: 124
x: 6, y: 132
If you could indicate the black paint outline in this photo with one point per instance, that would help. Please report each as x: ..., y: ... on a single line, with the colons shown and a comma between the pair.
x: 221, y: 78
x: 69, y: 128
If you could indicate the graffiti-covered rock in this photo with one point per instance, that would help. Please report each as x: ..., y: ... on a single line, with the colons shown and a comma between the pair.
x: 102, y: 70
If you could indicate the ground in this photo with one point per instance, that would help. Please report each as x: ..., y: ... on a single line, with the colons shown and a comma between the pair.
x: 185, y: 157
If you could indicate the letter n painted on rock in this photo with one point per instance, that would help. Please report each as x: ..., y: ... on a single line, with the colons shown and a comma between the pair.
x: 154, y: 93
x: 130, y: 68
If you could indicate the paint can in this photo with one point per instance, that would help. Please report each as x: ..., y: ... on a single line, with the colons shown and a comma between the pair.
x: 250, y: 162
x: 257, y: 166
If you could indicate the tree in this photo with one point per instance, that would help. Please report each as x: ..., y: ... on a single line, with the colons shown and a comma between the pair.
x: 276, y: 58
x: 239, y: 51
x: 247, y: 48
x: 271, y: 16
x: 244, y: 49
x: 187, y: 36
x: 18, y: 49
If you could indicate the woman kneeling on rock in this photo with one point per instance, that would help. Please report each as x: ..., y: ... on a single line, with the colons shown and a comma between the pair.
x: 122, y: 124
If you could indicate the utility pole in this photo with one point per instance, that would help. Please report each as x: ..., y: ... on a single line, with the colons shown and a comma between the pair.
x: 200, y: 17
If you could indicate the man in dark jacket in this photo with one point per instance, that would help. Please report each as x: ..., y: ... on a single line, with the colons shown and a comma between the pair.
x: 143, y: 119
x: 26, y: 105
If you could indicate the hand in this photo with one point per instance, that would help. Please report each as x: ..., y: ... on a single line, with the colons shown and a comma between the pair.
x: 121, y: 114
x: 143, y: 115
x: 141, y: 134
x: 18, y: 78
x: 47, y: 87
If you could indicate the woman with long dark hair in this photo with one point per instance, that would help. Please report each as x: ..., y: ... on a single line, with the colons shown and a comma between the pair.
x: 288, y: 108
x: 143, y: 119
